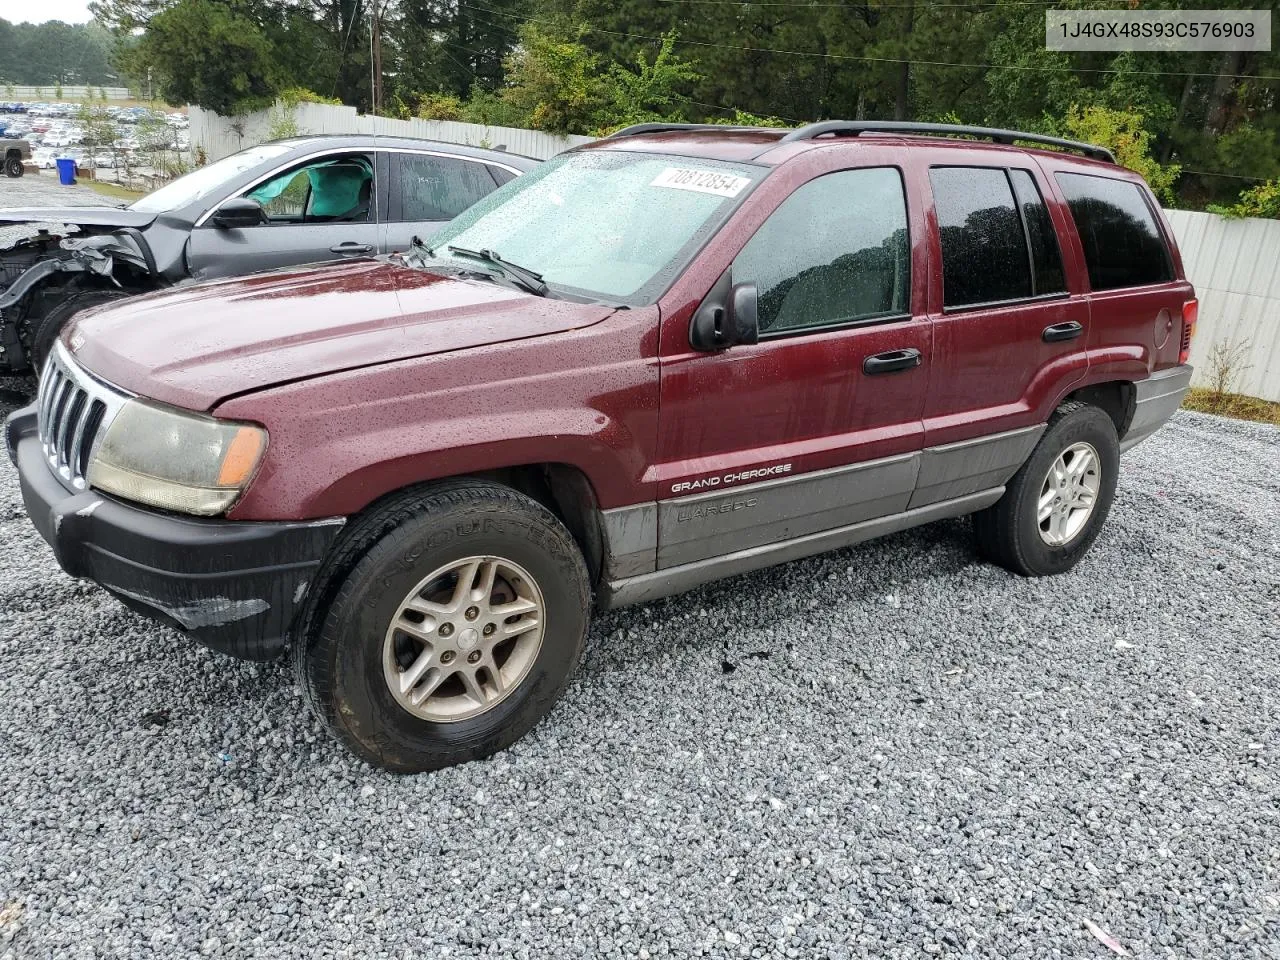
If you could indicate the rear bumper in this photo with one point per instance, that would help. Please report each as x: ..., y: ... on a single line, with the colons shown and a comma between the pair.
x: 1155, y: 400
x: 234, y: 586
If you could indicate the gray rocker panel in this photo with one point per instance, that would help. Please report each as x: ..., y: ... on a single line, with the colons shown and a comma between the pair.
x: 673, y: 580
x: 686, y: 530
x: 712, y: 524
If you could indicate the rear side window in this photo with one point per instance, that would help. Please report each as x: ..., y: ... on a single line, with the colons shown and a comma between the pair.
x: 1122, y: 244
x: 984, y: 249
x: 440, y: 188
x: 1046, y: 260
x: 834, y: 252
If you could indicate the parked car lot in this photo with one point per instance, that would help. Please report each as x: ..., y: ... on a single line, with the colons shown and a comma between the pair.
x: 890, y: 751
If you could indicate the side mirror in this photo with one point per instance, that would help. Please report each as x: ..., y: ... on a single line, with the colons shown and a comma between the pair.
x: 239, y: 212
x: 728, y: 316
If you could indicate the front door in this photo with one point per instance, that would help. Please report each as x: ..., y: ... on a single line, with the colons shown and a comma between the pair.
x: 818, y: 425
x: 322, y: 209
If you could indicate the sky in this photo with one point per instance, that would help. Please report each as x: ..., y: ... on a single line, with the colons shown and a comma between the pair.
x: 38, y: 11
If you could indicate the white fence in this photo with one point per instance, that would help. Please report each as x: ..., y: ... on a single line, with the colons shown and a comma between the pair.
x: 1235, y: 266
x: 219, y: 136
x: 55, y: 92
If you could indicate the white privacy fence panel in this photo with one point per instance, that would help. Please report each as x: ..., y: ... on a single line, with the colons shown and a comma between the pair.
x: 219, y: 136
x: 1235, y: 266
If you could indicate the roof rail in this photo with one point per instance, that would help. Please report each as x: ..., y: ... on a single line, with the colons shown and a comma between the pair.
x: 638, y: 128
x: 853, y: 128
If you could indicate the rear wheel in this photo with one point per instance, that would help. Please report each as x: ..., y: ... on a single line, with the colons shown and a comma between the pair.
x: 1054, y: 507
x: 454, y: 634
x: 13, y: 165
x: 50, y: 325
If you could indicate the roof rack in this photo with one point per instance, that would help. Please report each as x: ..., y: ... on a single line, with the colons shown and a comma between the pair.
x: 853, y: 128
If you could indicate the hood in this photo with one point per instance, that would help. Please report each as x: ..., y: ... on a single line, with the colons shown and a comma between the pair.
x: 81, y: 216
x: 197, y: 345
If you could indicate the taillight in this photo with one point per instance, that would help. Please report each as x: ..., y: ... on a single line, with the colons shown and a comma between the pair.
x: 1190, y: 314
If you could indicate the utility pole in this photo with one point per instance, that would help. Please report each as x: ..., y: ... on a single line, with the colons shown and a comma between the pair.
x: 375, y: 57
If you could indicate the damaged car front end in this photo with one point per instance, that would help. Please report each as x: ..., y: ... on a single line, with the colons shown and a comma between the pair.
x: 53, y: 262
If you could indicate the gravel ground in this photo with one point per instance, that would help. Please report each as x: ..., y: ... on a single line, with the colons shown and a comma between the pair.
x: 891, y: 751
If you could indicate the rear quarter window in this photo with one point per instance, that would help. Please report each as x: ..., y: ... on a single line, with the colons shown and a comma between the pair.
x: 1122, y: 243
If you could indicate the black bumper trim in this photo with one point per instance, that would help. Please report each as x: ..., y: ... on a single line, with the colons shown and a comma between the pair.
x: 235, y: 586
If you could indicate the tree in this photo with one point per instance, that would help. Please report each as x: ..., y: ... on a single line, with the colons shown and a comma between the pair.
x: 213, y: 54
x: 554, y: 82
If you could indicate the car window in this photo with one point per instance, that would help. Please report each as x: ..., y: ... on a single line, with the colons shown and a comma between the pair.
x: 327, y: 190
x: 623, y: 224
x: 984, y: 250
x: 440, y: 188
x: 835, y: 252
x: 501, y: 174
x: 1046, y: 260
x: 1122, y: 244
x: 205, y: 180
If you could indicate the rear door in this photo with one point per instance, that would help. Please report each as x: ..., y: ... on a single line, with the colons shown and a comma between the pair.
x: 429, y: 189
x: 323, y: 208
x: 818, y: 425
x: 1010, y: 317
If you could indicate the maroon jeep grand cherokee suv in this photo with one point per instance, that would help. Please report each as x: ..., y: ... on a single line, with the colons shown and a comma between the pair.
x: 676, y: 354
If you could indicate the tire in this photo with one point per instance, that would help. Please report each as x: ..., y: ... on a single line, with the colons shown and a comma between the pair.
x: 13, y: 166
x: 50, y: 325
x: 1011, y: 532
x: 348, y: 662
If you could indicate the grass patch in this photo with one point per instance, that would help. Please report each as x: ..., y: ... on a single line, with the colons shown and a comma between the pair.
x: 1232, y: 405
x: 113, y: 190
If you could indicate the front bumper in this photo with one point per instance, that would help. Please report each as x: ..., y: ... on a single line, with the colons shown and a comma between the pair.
x: 234, y: 586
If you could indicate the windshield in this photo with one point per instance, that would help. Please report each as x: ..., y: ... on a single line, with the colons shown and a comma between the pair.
x: 204, y: 180
x: 605, y: 225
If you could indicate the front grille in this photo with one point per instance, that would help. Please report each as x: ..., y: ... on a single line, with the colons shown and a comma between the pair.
x: 74, y: 410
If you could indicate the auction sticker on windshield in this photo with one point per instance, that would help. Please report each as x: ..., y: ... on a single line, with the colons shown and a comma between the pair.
x: 701, y: 181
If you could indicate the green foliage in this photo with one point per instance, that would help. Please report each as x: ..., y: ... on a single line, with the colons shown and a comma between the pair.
x: 292, y: 96
x: 55, y: 53
x: 1260, y: 201
x: 650, y: 91
x: 554, y: 81
x: 440, y: 106
x: 740, y: 118
x: 1122, y: 132
x: 213, y: 55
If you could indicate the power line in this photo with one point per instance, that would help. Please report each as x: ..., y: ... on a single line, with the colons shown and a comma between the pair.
x: 844, y: 56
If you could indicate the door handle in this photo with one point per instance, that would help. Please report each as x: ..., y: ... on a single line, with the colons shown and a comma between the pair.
x: 891, y: 361
x: 351, y: 247
x: 1062, y: 331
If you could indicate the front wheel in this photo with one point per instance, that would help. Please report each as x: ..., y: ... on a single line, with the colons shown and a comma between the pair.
x: 1054, y: 507
x: 13, y: 166
x: 454, y: 633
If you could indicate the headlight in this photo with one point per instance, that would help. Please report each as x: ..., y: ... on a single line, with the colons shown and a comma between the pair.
x: 178, y: 461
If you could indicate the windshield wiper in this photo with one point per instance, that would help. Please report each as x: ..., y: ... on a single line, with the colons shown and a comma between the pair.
x: 523, y: 277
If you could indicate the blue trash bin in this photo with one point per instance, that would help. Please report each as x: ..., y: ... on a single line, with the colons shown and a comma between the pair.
x: 66, y: 170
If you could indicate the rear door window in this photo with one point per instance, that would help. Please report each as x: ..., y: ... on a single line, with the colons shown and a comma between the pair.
x: 984, y: 250
x: 1046, y: 259
x: 1122, y: 243
x: 440, y: 188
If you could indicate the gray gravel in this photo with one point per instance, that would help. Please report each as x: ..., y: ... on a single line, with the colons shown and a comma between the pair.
x: 891, y: 751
